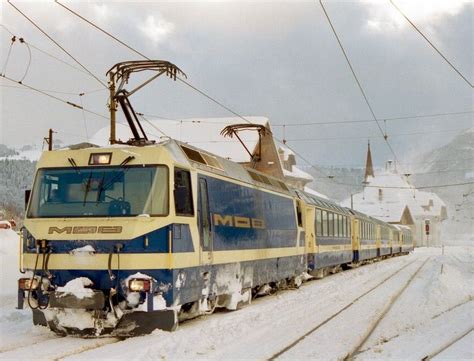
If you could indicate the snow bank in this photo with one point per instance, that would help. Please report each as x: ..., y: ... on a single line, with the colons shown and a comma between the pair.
x: 9, y: 262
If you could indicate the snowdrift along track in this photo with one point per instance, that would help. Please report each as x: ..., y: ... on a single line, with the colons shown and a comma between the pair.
x: 298, y: 340
x: 385, y: 310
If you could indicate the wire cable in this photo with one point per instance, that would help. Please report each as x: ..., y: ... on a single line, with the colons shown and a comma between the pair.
x: 57, y: 44
x: 102, y: 30
x: 74, y: 105
x: 431, y: 44
x: 357, y: 80
x: 4, y: 69
x: 152, y: 125
x: 84, y: 117
x: 146, y: 57
x: 47, y: 53
x: 29, y: 60
x: 227, y: 108
x: 421, y: 116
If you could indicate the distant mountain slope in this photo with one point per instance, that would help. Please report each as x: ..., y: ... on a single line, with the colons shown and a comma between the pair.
x: 450, y: 164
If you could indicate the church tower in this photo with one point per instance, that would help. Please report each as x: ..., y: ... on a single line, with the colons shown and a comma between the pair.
x: 369, y: 169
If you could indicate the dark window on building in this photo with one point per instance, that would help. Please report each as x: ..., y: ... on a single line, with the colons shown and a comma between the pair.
x: 183, y: 195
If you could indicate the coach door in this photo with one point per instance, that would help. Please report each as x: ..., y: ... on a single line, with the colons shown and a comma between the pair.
x: 310, y: 243
x: 204, y: 219
x: 356, y: 235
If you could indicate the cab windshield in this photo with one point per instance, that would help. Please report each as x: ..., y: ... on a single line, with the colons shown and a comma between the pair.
x: 100, y: 192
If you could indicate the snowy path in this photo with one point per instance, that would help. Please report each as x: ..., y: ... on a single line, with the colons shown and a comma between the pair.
x: 434, y: 310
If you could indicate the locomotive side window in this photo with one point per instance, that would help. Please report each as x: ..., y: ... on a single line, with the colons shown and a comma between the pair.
x: 183, y: 196
x: 204, y: 216
x: 344, y: 226
x: 319, y: 231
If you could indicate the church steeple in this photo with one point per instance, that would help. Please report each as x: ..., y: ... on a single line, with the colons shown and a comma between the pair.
x: 369, y: 169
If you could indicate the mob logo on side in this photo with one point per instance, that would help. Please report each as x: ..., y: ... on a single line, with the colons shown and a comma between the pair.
x: 238, y: 221
x: 86, y: 230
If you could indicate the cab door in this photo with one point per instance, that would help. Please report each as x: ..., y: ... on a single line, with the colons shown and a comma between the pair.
x: 205, y: 226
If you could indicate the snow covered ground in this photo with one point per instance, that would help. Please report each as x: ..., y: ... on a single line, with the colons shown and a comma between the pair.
x: 435, y: 307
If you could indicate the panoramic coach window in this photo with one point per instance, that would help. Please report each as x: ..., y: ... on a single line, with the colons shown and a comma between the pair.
x: 318, y: 223
x: 325, y: 224
x: 331, y: 224
x: 183, y: 195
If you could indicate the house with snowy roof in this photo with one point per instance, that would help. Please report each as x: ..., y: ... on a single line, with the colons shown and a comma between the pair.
x: 390, y: 197
x: 206, y: 134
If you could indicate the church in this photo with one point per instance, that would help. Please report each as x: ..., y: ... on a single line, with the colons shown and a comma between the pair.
x: 390, y: 197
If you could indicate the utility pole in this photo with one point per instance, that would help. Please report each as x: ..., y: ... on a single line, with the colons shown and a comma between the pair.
x: 352, y: 201
x: 49, y: 139
x: 112, y: 108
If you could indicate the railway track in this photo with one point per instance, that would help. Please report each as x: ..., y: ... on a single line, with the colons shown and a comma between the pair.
x: 334, y: 315
x: 388, y: 306
x: 447, y: 345
x: 76, y: 346
x: 85, y: 349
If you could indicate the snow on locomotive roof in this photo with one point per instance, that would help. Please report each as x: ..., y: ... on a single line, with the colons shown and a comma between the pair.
x: 202, y: 133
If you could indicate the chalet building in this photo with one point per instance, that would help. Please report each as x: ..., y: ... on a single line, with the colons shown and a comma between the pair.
x: 390, y: 197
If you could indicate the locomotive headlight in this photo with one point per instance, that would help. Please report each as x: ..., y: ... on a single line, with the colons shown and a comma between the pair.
x: 100, y: 158
x: 28, y: 283
x: 138, y: 284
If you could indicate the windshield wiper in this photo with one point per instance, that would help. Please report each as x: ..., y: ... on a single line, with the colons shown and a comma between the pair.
x: 88, y: 187
x: 100, y: 190
x: 73, y: 164
x: 117, y: 176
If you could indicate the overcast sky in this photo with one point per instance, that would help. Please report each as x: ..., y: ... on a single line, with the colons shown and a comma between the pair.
x: 273, y: 59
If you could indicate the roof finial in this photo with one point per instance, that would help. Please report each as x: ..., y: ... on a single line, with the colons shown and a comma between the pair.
x: 369, y: 169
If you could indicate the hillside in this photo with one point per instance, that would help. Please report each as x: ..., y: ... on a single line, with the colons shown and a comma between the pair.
x: 450, y: 164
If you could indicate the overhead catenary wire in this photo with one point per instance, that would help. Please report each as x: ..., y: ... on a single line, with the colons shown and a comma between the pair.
x: 50, y: 90
x: 72, y: 104
x: 56, y: 43
x: 375, y: 137
x: 357, y: 81
x: 187, y: 83
x: 420, y: 116
x: 203, y: 93
x: 37, y: 48
x: 224, y: 106
x: 431, y: 44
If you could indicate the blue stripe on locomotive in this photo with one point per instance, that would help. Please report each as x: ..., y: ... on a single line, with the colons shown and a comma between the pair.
x: 157, y: 242
x: 230, y: 199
